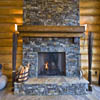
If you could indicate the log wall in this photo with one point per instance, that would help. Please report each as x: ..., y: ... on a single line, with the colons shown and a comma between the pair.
x: 90, y: 15
x: 11, y: 12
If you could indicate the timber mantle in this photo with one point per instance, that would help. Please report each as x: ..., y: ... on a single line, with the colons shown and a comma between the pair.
x: 51, y: 31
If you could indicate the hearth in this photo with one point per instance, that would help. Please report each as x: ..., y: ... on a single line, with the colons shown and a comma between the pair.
x: 51, y: 64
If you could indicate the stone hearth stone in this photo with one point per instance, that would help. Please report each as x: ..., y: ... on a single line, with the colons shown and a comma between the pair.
x: 52, y: 86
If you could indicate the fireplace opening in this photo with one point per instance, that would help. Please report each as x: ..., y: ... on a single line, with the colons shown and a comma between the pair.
x: 51, y: 64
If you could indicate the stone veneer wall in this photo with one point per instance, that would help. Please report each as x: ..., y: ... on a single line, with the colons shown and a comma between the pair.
x: 51, y: 89
x: 51, y: 12
x: 31, y: 47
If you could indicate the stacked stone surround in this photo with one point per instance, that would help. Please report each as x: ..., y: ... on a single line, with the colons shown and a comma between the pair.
x: 31, y: 47
x: 51, y: 89
x: 51, y: 12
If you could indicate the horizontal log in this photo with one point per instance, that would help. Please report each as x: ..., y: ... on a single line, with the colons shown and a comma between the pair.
x: 8, y: 59
x: 96, y: 36
x: 51, y: 35
x: 84, y: 50
x: 7, y: 28
x: 93, y: 28
x: 86, y: 68
x: 6, y: 35
x: 8, y: 51
x: 93, y: 68
x: 11, y: 3
x: 95, y: 64
x: 89, y: 4
x: 8, y: 66
x: 89, y: 11
x: 90, y: 19
x: 8, y: 74
x: 85, y: 43
x: 13, y: 19
x: 9, y: 42
x: 51, y: 29
x: 95, y: 57
x: 11, y: 10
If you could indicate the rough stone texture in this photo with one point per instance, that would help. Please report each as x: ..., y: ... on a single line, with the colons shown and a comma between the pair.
x: 7, y: 94
x: 31, y: 47
x: 56, y: 86
x: 50, y: 89
x: 51, y: 12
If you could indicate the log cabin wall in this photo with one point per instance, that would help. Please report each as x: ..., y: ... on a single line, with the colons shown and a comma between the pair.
x: 11, y: 12
x: 90, y: 15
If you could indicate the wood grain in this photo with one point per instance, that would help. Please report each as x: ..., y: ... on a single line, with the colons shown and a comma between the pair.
x: 11, y: 10
x: 11, y: 13
x: 8, y: 42
x: 14, y: 19
x: 53, y: 29
x: 89, y: 11
x: 90, y: 4
x: 8, y: 59
x: 7, y: 27
x: 11, y: 3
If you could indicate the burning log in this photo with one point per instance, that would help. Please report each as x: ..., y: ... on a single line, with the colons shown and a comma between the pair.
x: 46, y: 66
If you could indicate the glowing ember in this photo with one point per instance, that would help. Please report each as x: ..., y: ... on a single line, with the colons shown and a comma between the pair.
x: 46, y: 66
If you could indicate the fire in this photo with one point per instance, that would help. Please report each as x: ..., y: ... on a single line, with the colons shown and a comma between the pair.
x: 46, y: 65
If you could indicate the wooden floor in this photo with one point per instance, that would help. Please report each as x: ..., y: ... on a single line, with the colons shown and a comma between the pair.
x: 8, y: 95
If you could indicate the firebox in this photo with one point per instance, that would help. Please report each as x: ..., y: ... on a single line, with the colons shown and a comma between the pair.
x: 51, y: 64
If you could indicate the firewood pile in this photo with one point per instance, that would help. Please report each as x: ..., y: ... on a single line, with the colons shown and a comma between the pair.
x: 22, y: 73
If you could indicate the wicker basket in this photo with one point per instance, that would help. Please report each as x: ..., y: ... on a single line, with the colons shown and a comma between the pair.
x: 22, y: 74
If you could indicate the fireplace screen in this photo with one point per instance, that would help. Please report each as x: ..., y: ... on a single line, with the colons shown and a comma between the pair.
x: 51, y: 63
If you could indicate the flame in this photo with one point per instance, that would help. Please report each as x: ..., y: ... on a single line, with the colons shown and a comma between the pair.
x: 46, y: 65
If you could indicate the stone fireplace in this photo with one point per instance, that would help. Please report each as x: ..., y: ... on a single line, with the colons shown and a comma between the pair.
x: 54, y: 56
x: 51, y: 44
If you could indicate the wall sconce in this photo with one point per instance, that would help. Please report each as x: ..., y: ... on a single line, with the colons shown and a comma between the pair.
x: 15, y: 27
x: 85, y: 27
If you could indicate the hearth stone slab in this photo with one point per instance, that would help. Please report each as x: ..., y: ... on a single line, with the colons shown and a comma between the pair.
x: 52, y: 86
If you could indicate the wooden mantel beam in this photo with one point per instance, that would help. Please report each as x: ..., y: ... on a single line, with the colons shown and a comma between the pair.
x: 51, y: 31
x: 51, y: 35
